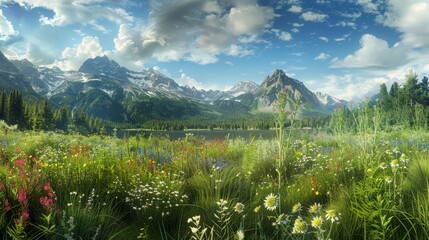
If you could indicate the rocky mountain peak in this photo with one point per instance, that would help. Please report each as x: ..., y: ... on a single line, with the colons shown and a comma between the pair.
x: 104, y: 66
x: 6, y: 65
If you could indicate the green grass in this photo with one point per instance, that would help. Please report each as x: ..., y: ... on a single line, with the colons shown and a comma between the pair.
x: 110, y: 188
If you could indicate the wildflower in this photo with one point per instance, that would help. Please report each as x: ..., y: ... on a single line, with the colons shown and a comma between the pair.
x: 256, y: 210
x: 239, y: 207
x: 332, y: 215
x: 388, y: 180
x: 195, y: 219
x: 394, y: 163
x: 299, y: 226
x: 194, y: 230
x: 271, y: 202
x: 7, y: 205
x: 282, y: 219
x: 382, y: 165
x: 240, y: 234
x: 317, y: 222
x: 296, y: 208
x: 315, y: 208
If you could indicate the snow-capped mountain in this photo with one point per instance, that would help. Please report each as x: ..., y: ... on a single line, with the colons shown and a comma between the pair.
x: 105, y: 89
x: 242, y: 88
x: 330, y: 102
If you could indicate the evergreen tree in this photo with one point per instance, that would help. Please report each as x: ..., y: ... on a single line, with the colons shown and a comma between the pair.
x: 3, y: 106
x: 46, y: 115
x: 16, y: 111
x: 62, y: 119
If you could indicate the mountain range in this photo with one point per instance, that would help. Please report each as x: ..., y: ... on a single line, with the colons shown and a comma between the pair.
x: 103, y: 88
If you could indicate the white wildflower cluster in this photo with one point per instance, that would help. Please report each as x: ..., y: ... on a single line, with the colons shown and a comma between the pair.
x: 156, y: 197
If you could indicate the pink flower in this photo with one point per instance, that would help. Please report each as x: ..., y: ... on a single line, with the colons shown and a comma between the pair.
x: 47, y: 186
x: 19, y: 163
x: 46, y: 202
x: 22, y: 195
x: 7, y: 205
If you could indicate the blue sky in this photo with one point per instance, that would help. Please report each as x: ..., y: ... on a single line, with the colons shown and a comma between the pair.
x: 345, y: 48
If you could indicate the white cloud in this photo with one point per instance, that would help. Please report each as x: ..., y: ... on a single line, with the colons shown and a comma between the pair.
x: 239, y: 51
x: 6, y: 28
x: 345, y: 86
x: 314, y: 17
x: 345, y: 24
x: 282, y: 35
x: 295, y: 30
x: 411, y: 18
x: 298, y: 25
x: 248, y: 19
x: 80, y: 11
x: 229, y: 63
x: 375, y: 53
x: 353, y: 16
x: 369, y: 5
x: 295, y: 9
x: 323, y: 38
x: 201, y: 57
x: 322, y: 56
x: 72, y: 58
x: 186, y: 80
x: 195, y: 31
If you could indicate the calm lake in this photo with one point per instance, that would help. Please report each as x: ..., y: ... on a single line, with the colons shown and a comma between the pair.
x: 207, y: 134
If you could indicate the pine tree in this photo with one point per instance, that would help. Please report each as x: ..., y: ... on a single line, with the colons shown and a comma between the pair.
x: 62, y: 119
x: 3, y: 104
x: 16, y: 111
x: 47, y: 115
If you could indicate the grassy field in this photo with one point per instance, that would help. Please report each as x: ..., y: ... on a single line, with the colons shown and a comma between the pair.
x: 360, y: 186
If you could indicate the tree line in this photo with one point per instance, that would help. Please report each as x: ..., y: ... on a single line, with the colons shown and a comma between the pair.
x: 404, y: 106
x: 36, y: 115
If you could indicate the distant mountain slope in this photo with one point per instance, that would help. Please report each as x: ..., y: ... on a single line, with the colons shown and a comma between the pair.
x: 242, y: 88
x: 330, y: 102
x: 103, y: 88
x: 12, y: 79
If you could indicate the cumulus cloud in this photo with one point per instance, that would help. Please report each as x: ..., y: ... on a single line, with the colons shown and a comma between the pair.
x: 239, y: 51
x: 369, y: 6
x: 76, y: 11
x: 295, y: 9
x: 192, y: 30
x: 282, y: 35
x: 72, y: 58
x: 344, y: 86
x: 6, y: 28
x: 189, y: 81
x: 374, y: 53
x: 322, y: 56
x: 411, y: 18
x: 323, y: 38
x: 314, y: 17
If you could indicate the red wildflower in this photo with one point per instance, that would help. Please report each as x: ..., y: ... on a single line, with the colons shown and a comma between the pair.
x: 1, y: 186
x: 6, y: 205
x: 47, y: 186
x: 17, y: 150
x: 22, y: 195
x: 46, y: 202
x: 19, y: 163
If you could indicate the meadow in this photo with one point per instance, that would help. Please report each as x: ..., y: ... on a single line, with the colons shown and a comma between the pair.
x: 365, y: 185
